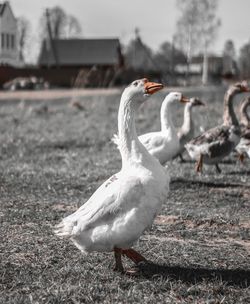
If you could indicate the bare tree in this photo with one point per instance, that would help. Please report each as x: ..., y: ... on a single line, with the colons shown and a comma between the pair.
x: 209, y: 24
x: 61, y: 24
x: 229, y: 49
x: 139, y: 55
x: 164, y: 55
x: 57, y: 21
x: 197, y: 29
x: 56, y: 24
x: 230, y: 68
x: 23, y: 28
x: 244, y: 61
x: 72, y: 27
x: 166, y: 58
x: 187, y: 26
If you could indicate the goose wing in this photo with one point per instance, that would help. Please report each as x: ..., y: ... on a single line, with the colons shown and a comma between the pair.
x: 215, y: 142
x: 246, y: 133
x: 115, y: 140
x: 114, y: 197
x: 152, y: 141
x: 215, y: 135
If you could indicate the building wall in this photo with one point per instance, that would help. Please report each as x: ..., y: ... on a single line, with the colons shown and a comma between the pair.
x: 8, y: 38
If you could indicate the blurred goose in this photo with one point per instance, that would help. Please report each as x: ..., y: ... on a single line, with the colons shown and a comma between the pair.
x: 164, y: 144
x: 243, y: 147
x: 213, y: 145
x: 186, y: 132
x: 126, y: 204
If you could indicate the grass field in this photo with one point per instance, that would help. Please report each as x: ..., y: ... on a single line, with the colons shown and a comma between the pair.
x: 53, y: 155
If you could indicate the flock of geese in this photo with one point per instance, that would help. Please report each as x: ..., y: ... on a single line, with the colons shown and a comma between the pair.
x: 119, y: 211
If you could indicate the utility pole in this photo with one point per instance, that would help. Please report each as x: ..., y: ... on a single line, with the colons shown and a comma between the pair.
x: 189, y: 54
x: 53, y: 47
x: 205, y: 66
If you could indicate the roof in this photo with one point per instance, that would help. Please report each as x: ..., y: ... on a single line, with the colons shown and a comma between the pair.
x: 2, y: 7
x: 80, y: 52
x: 212, y: 58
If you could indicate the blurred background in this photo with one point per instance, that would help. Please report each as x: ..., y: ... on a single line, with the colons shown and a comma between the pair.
x: 94, y: 43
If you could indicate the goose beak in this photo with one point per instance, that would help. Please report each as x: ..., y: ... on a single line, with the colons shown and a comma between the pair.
x: 184, y: 99
x: 152, y: 87
x: 199, y: 103
x: 245, y: 87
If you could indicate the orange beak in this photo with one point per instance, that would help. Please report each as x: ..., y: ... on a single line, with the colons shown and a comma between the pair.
x: 184, y: 99
x: 152, y: 87
x: 198, y: 103
x: 245, y: 87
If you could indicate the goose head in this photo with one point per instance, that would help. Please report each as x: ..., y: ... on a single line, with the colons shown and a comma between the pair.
x: 174, y: 97
x: 194, y: 101
x: 139, y: 91
x: 239, y: 87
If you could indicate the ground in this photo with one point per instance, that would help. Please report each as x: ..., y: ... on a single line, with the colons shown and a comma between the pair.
x: 55, y: 152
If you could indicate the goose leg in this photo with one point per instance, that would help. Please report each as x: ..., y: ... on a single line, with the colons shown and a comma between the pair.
x: 182, y: 160
x: 241, y: 157
x: 133, y: 255
x: 136, y: 257
x: 218, y: 169
x: 118, y: 260
x: 199, y: 164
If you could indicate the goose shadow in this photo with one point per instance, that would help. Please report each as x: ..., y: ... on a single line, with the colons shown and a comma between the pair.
x: 228, y: 161
x: 243, y: 172
x: 191, y: 161
x: 205, y: 184
x: 239, y: 277
x: 184, y: 161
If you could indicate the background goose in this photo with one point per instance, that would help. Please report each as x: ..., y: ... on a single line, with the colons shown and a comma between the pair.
x: 186, y: 132
x: 126, y: 204
x: 243, y: 148
x: 164, y: 144
x: 213, y: 145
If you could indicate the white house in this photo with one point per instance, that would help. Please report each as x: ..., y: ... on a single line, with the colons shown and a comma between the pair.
x: 8, y: 36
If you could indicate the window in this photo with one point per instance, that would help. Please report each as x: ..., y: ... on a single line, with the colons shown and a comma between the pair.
x: 2, y: 41
x: 7, y: 41
x: 12, y: 41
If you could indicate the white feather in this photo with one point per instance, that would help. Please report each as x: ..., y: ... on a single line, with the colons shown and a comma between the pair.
x: 126, y: 204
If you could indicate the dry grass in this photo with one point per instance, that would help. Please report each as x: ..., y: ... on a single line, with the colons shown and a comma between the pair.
x: 53, y: 155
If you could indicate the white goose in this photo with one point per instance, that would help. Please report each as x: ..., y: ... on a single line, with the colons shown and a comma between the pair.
x: 243, y: 147
x: 126, y: 204
x: 164, y: 144
x: 213, y: 145
x: 186, y: 132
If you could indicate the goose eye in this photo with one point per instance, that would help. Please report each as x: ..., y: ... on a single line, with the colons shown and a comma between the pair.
x: 135, y: 83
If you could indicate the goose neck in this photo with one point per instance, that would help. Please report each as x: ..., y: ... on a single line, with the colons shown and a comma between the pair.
x: 244, y: 117
x: 130, y: 147
x: 229, y: 117
x: 187, y: 119
x: 166, y: 116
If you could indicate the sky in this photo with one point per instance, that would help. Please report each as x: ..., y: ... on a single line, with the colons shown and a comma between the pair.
x: 118, y: 18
